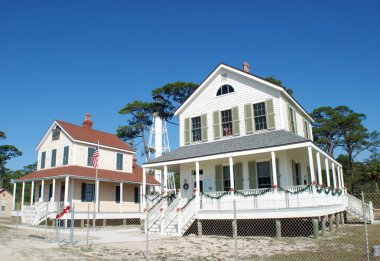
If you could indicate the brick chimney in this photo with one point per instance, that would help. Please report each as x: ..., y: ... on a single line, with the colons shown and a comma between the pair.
x: 87, y: 123
x: 246, y: 67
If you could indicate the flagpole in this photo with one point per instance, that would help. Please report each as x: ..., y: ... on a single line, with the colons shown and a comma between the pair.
x: 96, y: 201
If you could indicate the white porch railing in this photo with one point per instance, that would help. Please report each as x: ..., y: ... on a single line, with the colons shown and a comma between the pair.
x: 187, y: 216
x: 171, y: 213
x: 155, y: 212
x: 355, y: 206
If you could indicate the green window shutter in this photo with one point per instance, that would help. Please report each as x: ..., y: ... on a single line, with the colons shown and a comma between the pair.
x: 219, y: 178
x: 304, y: 128
x: 204, y: 127
x: 187, y: 131
x: 248, y: 118
x: 278, y: 171
x: 295, y: 121
x: 238, y: 171
x: 289, y: 119
x: 216, y: 125
x: 235, y: 121
x: 252, y: 175
x: 294, y: 173
x: 270, y: 114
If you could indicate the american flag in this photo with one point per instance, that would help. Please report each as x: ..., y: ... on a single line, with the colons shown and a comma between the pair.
x: 95, y: 157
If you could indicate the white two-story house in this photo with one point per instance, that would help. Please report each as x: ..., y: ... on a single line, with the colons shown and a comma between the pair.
x: 66, y: 176
x: 242, y: 137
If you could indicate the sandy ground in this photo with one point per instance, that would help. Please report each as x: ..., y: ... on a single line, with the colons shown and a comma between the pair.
x: 129, y: 243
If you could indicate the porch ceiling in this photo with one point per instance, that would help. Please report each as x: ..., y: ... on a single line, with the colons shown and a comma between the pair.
x: 249, y: 142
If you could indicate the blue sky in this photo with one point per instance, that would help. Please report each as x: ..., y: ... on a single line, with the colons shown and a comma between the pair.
x: 62, y: 59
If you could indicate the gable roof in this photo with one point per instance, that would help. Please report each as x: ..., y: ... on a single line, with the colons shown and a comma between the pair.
x: 79, y: 133
x: 89, y: 173
x: 243, y: 143
x: 243, y: 73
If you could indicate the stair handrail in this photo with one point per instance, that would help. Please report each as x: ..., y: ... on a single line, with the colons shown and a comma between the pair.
x: 188, y: 212
x: 154, y: 212
x: 171, y: 212
x: 353, y: 204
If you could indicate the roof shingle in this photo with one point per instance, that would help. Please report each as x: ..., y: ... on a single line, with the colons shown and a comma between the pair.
x: 90, y: 135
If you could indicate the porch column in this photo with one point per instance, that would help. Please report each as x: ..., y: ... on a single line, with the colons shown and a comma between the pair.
x: 121, y: 197
x: 32, y: 194
x: 143, y: 193
x: 339, y: 180
x: 232, y: 179
x: 166, y: 180
x: 333, y: 174
x: 327, y: 172
x: 274, y: 170
x: 319, y: 169
x: 97, y: 195
x: 53, y: 192
x: 342, y: 180
x: 311, y: 164
x: 22, y: 194
x: 14, y: 196
x: 197, y: 182
x: 42, y: 191
x: 66, y: 198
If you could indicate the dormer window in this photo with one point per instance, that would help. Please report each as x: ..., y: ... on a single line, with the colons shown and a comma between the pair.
x: 55, y: 133
x: 225, y: 89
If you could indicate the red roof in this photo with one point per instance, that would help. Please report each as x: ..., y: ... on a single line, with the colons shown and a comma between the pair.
x: 92, y: 136
x: 135, y: 177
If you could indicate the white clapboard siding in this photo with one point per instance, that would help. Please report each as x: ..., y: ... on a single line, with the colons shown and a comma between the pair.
x: 246, y: 91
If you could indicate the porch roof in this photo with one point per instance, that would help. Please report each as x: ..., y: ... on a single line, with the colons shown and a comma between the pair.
x: 248, y: 142
x: 89, y: 173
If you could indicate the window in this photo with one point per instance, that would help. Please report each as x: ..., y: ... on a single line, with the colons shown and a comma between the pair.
x: 306, y: 129
x: 260, y: 116
x: 264, y: 174
x: 50, y: 191
x: 137, y: 195
x: 226, y: 178
x: 119, y: 161
x: 297, y: 169
x: 89, y: 156
x: 53, y: 157
x: 117, y: 194
x: 196, y: 133
x: 66, y: 155
x: 194, y: 174
x: 226, y: 122
x: 62, y: 196
x: 39, y: 191
x: 43, y: 158
x: 88, y: 192
x: 56, y: 133
x: 225, y: 89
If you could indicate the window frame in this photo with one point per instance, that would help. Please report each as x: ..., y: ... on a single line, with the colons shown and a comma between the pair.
x: 229, y: 89
x: 198, y: 129
x: 117, y: 194
x: 89, y: 156
x: 53, y: 162
x: 292, y: 120
x: 227, y: 130
x: 306, y: 128
x: 256, y: 117
x: 89, y: 196
x: 43, y: 160
x: 119, y: 161
x: 263, y: 185
x: 65, y: 159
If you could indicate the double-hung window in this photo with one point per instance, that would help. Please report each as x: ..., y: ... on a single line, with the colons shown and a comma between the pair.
x: 53, y: 157
x: 226, y: 118
x: 89, y: 156
x: 43, y: 158
x: 260, y: 116
x: 119, y: 161
x: 306, y: 129
x: 88, y: 192
x: 66, y: 155
x: 292, y: 120
x: 196, y: 133
x: 264, y: 174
